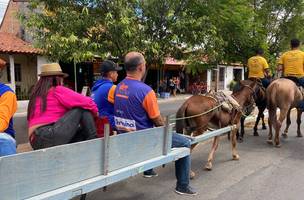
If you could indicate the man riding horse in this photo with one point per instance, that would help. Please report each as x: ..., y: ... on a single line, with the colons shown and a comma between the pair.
x: 292, y: 65
x: 258, y: 68
x: 284, y: 93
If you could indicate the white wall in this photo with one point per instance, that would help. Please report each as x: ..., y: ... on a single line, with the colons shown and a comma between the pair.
x: 208, y: 79
x: 40, y: 61
x: 229, y: 76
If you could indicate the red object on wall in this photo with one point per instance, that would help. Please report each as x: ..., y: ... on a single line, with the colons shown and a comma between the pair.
x: 100, y: 124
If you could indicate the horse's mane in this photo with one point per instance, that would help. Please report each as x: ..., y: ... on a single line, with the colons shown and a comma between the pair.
x: 240, y: 86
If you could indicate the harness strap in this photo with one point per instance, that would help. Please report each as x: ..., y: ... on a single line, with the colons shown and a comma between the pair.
x: 197, y: 115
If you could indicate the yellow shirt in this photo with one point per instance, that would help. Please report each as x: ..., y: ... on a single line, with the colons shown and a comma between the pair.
x: 256, y: 67
x: 8, y: 107
x: 293, y: 62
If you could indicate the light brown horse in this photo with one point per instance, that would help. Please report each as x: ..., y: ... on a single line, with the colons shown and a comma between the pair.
x: 285, y: 95
x: 197, y: 104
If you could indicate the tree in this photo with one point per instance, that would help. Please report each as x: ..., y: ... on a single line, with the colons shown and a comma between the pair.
x: 279, y: 21
x: 202, y: 32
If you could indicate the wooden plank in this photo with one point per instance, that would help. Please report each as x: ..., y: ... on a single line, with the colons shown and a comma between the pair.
x: 92, y: 184
x: 134, y: 147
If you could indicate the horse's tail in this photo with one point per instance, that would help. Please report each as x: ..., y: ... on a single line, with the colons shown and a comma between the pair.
x: 180, y: 123
x: 271, y: 95
x: 271, y: 101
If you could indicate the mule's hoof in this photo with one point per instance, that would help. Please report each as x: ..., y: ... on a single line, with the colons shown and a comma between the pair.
x: 284, y: 135
x: 256, y: 134
x: 278, y: 145
x: 299, y: 135
x: 235, y: 157
x: 264, y: 127
x: 192, y: 174
x: 208, y: 166
x: 240, y: 140
x: 270, y: 142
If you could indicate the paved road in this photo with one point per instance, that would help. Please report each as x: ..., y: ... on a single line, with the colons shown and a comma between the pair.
x: 263, y: 172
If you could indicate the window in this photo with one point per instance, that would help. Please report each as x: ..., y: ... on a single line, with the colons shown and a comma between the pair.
x: 18, y: 77
x: 8, y: 72
x: 213, y: 75
x: 222, y: 74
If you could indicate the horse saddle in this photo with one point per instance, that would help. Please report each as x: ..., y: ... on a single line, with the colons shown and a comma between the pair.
x: 227, y: 101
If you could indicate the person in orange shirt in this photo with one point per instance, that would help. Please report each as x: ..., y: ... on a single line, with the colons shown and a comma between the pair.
x: 259, y: 68
x: 292, y: 63
x: 136, y: 108
x: 8, y: 107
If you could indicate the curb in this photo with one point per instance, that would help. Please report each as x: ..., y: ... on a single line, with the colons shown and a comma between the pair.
x: 184, y: 97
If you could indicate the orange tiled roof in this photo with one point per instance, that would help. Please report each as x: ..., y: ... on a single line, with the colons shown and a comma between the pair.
x: 9, y: 43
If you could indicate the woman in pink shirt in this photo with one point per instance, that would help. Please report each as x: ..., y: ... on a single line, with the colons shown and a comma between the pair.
x: 56, y: 114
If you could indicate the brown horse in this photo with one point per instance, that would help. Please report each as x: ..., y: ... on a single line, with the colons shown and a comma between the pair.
x: 197, y: 104
x: 285, y: 95
x: 261, y: 103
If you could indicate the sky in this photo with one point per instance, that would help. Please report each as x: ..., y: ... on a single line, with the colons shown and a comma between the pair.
x: 3, y: 5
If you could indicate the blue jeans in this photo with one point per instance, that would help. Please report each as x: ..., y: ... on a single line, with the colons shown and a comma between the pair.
x: 265, y: 82
x: 7, y: 145
x: 301, y: 81
x: 182, y: 165
x: 301, y: 103
x: 297, y: 81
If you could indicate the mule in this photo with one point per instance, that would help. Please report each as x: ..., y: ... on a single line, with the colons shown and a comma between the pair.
x: 217, y: 118
x: 283, y: 94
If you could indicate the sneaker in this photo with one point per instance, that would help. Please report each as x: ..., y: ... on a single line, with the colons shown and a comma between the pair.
x: 185, y: 191
x: 150, y: 174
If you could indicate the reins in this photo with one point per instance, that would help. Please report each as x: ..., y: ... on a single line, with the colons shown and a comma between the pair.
x: 197, y: 115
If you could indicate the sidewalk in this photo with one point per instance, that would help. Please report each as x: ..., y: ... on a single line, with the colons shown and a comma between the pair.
x: 22, y: 108
x: 171, y: 98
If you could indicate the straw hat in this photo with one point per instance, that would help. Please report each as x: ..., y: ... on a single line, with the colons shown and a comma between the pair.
x: 52, y: 69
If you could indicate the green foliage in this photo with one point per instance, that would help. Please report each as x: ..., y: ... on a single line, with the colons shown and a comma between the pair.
x: 202, y: 32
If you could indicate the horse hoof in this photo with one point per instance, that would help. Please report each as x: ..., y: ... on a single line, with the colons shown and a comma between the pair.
x: 264, y: 127
x: 299, y: 135
x: 278, y: 145
x: 208, y: 166
x: 284, y: 135
x: 256, y: 134
x: 240, y: 140
x: 192, y: 175
x: 235, y: 157
x: 270, y: 142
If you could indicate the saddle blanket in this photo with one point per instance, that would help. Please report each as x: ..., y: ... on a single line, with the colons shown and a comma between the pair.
x: 227, y: 101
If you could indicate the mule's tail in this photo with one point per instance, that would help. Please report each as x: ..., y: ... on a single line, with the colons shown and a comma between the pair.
x: 180, y: 122
x: 271, y: 94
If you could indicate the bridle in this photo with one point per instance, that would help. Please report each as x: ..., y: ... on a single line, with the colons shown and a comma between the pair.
x: 244, y: 107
